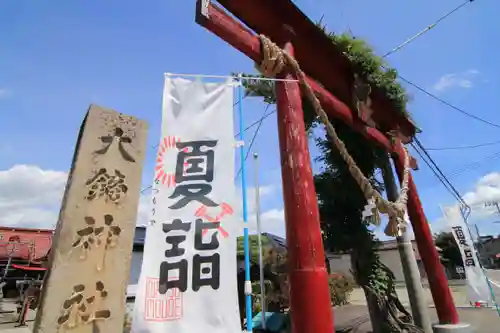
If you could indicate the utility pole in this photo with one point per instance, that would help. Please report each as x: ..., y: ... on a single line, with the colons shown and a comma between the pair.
x: 488, y: 282
x: 479, y: 241
x: 259, y: 232
x: 494, y: 204
x: 408, y: 262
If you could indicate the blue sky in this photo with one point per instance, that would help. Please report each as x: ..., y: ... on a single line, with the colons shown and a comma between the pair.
x: 57, y: 57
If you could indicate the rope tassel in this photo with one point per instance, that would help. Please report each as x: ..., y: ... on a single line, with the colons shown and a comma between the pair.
x: 274, y: 61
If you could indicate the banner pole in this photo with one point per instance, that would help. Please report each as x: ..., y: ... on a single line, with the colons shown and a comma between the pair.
x: 263, y: 305
x: 248, y: 283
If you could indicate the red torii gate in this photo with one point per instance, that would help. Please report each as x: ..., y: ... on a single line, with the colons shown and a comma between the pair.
x: 287, y: 26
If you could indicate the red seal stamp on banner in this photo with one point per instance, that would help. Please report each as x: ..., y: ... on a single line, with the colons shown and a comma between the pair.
x: 162, y: 307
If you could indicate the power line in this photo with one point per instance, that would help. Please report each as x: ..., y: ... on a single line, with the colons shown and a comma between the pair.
x: 440, y: 177
x: 257, y: 131
x: 464, y: 207
x: 257, y: 122
x: 456, y: 108
x: 468, y: 167
x: 474, y: 165
x: 411, y: 39
x: 436, y: 174
x: 437, y: 171
x: 465, y: 168
x: 465, y: 147
x: 261, y: 120
x: 243, y: 98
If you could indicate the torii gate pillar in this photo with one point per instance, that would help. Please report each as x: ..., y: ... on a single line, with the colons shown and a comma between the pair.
x: 310, y: 304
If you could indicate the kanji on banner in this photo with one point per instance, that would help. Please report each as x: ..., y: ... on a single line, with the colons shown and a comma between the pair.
x: 478, y: 289
x: 188, y: 277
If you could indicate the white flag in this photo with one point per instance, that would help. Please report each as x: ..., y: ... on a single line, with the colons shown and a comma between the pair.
x: 188, y: 279
x: 478, y: 289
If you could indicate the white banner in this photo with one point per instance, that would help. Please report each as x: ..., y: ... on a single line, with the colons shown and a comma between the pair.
x: 188, y: 280
x: 478, y: 289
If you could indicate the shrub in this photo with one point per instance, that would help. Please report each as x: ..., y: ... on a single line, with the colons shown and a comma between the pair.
x: 341, y: 288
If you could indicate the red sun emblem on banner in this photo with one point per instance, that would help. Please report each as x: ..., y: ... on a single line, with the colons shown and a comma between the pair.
x: 166, y: 161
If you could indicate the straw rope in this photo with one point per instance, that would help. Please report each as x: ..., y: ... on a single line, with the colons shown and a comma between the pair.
x: 274, y: 61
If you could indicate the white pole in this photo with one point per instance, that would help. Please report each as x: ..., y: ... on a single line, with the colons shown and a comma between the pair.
x: 259, y: 240
x: 409, y: 265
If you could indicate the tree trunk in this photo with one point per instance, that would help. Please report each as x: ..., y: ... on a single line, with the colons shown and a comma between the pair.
x: 327, y: 263
x: 371, y: 301
x: 377, y: 282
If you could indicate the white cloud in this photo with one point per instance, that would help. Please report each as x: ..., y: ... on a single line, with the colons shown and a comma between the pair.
x: 31, y: 197
x: 486, y: 189
x: 271, y: 221
x: 265, y: 191
x: 456, y: 80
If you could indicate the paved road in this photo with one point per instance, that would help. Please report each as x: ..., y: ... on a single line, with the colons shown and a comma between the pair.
x: 482, y: 320
x: 357, y: 318
x: 494, y: 278
x: 459, y: 292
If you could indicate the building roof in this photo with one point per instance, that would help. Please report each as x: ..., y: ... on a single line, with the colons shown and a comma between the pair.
x: 25, y: 243
x: 489, y: 239
x: 29, y: 230
x: 269, y: 241
x: 277, y: 241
